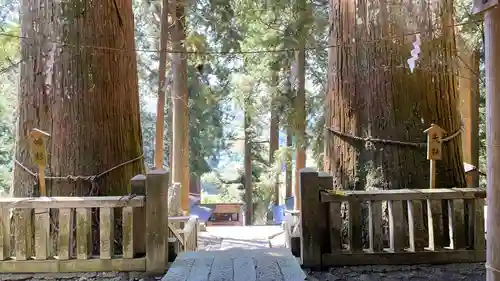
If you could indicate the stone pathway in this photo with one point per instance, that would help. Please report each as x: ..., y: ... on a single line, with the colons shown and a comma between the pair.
x: 227, y: 237
x: 217, y: 238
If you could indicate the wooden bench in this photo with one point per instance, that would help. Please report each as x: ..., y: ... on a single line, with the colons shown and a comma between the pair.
x: 276, y: 264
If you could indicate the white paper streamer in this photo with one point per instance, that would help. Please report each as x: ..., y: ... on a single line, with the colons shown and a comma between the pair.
x: 414, y: 53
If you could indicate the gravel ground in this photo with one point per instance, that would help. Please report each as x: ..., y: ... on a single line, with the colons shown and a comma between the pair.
x: 207, y: 242
x: 451, y: 272
x: 101, y: 276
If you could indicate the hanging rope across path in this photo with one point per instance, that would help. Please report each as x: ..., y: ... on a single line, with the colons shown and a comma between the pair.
x: 76, y: 178
x: 394, y: 142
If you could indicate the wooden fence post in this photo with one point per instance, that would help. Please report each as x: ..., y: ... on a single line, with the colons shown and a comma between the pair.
x: 156, y: 221
x: 314, y: 216
x: 138, y: 187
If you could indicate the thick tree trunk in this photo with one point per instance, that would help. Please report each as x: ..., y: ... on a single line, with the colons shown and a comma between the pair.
x: 372, y: 93
x: 83, y: 91
x: 35, y: 97
x: 85, y: 97
x: 180, y: 118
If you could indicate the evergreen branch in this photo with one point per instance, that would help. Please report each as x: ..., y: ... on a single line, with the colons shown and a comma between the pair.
x: 11, y: 66
x: 263, y: 51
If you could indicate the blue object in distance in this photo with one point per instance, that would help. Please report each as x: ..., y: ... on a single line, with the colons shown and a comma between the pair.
x: 278, y: 213
x: 289, y: 203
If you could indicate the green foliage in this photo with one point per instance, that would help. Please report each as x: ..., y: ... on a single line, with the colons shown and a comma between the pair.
x: 9, y: 55
x: 9, y: 43
x: 469, y: 27
x: 226, y: 85
x: 6, y: 143
x: 205, y: 113
x: 471, y: 33
x: 210, y: 199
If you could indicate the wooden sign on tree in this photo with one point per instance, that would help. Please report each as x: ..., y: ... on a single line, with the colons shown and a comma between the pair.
x: 434, y: 149
x: 434, y: 145
x: 39, y: 155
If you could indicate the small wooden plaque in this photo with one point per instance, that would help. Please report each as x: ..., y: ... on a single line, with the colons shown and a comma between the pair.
x: 37, y: 147
x: 434, y: 146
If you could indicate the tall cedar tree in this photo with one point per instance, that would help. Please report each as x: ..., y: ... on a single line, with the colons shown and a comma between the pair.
x: 372, y: 93
x: 180, y: 102
x: 85, y: 97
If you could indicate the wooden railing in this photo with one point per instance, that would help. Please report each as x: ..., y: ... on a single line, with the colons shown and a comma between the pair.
x: 190, y: 235
x: 291, y: 231
x: 389, y: 226
x: 290, y: 225
x: 66, y: 228
x: 183, y: 232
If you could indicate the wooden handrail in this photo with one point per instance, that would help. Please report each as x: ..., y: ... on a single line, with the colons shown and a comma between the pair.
x: 179, y: 219
x: 354, y: 227
x: 25, y: 231
x: 73, y: 202
x: 188, y: 228
x: 187, y: 236
x: 402, y: 194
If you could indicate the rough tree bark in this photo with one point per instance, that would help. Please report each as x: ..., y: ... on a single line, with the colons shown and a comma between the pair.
x: 33, y: 98
x: 372, y: 93
x: 180, y: 114
x: 85, y: 97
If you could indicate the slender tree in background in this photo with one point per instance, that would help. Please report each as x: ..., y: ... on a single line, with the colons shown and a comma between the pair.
x: 274, y: 133
x: 160, y: 109
x: 469, y: 41
x: 300, y: 97
x: 288, y: 126
x: 85, y: 97
x: 468, y: 85
x: 180, y: 100
x: 289, y: 166
x: 373, y: 93
x: 248, y: 163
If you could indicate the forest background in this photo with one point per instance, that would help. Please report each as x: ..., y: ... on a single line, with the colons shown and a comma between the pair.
x: 222, y: 83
